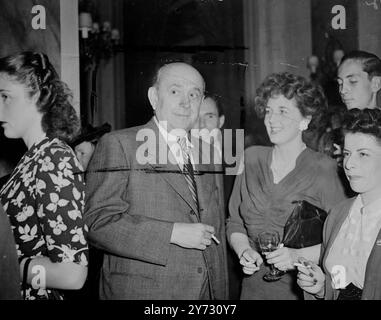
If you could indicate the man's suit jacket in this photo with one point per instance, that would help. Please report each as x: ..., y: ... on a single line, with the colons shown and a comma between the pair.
x: 10, y: 287
x: 131, y: 209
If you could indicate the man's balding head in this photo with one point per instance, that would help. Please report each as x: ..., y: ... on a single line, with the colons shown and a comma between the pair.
x: 177, y: 94
x: 180, y: 67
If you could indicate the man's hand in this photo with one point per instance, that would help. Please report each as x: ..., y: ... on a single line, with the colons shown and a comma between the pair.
x: 192, y: 235
x: 250, y: 261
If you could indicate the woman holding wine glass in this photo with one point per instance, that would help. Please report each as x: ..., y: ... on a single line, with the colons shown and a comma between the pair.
x: 273, y: 178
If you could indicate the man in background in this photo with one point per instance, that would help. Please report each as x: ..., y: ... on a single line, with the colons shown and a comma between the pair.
x: 210, y: 123
x: 359, y: 79
x: 212, y: 118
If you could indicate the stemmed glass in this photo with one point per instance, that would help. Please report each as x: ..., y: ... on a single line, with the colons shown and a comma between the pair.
x: 268, y: 242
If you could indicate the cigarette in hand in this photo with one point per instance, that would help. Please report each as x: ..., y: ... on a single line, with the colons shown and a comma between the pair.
x: 298, y: 264
x: 215, y: 239
x: 302, y: 265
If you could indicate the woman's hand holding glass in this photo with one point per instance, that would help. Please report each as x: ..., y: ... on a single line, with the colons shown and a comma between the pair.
x: 283, y: 258
x: 311, y: 279
x: 250, y: 261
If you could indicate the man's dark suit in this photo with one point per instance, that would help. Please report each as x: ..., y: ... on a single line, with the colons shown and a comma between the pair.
x: 131, y: 209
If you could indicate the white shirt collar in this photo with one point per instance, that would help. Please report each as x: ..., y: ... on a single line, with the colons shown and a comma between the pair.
x: 169, y: 137
x: 371, y: 209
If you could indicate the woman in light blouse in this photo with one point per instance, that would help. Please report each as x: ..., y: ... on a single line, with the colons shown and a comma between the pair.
x: 351, y: 249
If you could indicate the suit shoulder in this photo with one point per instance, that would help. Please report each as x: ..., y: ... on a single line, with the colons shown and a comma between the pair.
x: 129, y: 134
x: 127, y: 131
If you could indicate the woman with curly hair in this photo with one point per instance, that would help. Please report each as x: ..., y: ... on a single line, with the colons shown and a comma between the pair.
x: 273, y: 178
x: 44, y: 197
x: 351, y: 252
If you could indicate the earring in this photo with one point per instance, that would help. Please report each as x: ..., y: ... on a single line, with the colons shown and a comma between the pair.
x: 303, y: 125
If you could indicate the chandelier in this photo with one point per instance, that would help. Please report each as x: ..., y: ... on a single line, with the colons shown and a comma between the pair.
x: 98, y: 41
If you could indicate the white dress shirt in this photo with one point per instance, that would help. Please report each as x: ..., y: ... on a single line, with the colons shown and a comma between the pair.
x: 348, y: 256
x: 172, y: 142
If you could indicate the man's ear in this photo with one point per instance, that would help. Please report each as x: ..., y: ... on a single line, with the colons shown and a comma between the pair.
x: 376, y: 84
x: 221, y: 121
x: 152, y: 97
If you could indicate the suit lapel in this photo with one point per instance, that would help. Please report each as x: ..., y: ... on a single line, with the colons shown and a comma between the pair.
x: 170, y: 171
x: 335, y: 226
x: 174, y: 177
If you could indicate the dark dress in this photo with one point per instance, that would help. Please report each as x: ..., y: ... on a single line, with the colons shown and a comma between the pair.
x: 44, y: 200
x: 257, y: 204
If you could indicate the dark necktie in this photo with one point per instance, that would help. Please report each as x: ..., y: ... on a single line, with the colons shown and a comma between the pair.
x: 188, y: 171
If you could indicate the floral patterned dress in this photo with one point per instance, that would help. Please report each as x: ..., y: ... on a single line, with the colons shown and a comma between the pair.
x: 44, y: 199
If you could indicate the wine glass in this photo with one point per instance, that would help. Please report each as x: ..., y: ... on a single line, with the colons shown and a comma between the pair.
x: 268, y: 242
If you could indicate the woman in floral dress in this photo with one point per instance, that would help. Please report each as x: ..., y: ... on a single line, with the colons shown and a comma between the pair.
x: 44, y: 197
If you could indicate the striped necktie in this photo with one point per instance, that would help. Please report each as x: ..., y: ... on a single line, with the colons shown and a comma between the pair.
x: 188, y: 171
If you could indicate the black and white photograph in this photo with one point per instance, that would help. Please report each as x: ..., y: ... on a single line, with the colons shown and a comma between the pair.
x: 190, y: 154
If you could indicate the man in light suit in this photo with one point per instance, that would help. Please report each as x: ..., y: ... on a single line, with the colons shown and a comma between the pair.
x: 159, y: 222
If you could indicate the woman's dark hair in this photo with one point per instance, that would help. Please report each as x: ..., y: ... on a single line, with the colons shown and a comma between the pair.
x: 37, y: 74
x: 310, y: 98
x: 367, y: 121
x: 371, y: 64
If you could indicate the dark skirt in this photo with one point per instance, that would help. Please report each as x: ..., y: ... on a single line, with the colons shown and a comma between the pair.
x: 255, y: 288
x: 351, y: 292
